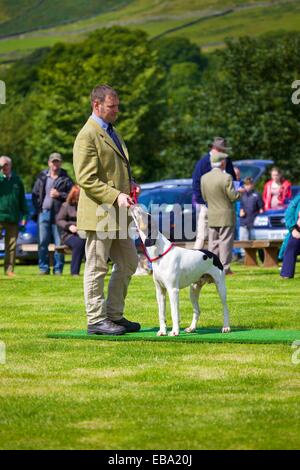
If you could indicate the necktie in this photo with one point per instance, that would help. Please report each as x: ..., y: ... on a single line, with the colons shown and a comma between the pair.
x: 113, y: 136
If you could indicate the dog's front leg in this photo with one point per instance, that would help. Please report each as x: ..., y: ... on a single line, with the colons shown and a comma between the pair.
x: 174, y: 301
x: 161, y: 300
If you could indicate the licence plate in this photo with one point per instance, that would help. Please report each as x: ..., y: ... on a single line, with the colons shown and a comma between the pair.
x: 1, y: 246
x: 277, y: 235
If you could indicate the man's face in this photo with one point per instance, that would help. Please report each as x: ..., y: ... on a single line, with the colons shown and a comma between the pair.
x: 108, y: 110
x: 6, y: 169
x: 55, y: 165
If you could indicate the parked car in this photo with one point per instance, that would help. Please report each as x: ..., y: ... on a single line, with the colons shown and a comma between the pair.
x: 27, y: 235
x: 173, y: 210
x: 177, y: 212
x: 253, y: 168
x: 270, y: 225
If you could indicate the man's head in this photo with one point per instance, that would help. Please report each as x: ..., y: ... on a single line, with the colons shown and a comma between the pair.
x: 248, y: 183
x: 219, y: 144
x: 55, y: 162
x: 218, y: 159
x: 105, y: 103
x: 5, y: 165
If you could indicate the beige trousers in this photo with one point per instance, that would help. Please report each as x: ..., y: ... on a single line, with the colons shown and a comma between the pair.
x: 202, y: 228
x: 220, y: 242
x: 11, y: 235
x: 124, y: 257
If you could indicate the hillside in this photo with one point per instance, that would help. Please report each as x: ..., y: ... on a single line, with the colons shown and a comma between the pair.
x: 205, y: 22
x: 19, y: 16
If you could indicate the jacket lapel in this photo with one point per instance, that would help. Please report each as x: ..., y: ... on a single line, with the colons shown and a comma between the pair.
x: 109, y: 140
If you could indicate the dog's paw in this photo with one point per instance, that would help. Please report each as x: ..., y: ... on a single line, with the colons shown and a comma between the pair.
x: 226, y: 329
x: 174, y: 333
x: 189, y: 329
x: 161, y: 333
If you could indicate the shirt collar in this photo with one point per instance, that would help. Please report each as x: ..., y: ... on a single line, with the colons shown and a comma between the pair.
x: 100, y: 121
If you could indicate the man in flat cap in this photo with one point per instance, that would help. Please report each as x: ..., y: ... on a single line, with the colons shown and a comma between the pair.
x: 50, y: 190
x: 202, y: 167
x: 218, y: 192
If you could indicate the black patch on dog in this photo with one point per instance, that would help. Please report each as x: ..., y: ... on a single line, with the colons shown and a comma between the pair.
x: 215, y: 258
x: 150, y: 242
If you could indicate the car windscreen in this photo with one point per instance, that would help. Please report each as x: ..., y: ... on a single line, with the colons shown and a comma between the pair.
x: 166, y: 196
x: 249, y: 170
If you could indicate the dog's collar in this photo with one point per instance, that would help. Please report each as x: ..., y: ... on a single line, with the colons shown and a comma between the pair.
x: 159, y: 256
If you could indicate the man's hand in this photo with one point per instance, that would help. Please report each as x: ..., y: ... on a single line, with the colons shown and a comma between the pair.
x: 23, y: 222
x: 242, y: 213
x: 124, y: 200
x: 73, y: 228
x: 296, y: 234
x: 54, y: 193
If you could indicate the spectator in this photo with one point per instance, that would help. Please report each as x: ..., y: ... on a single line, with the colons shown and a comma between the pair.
x: 251, y: 205
x: 49, y: 192
x: 13, y: 209
x: 290, y: 248
x: 66, y: 219
x: 202, y: 167
x: 218, y: 191
x: 238, y: 183
x: 276, y: 190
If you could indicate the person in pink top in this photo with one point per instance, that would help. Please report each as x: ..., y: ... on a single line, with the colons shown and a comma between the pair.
x: 276, y: 190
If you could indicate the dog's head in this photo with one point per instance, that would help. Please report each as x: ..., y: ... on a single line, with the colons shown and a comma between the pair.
x: 146, y: 225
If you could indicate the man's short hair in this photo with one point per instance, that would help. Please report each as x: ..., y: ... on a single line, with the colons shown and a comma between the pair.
x: 248, y: 180
x: 100, y: 92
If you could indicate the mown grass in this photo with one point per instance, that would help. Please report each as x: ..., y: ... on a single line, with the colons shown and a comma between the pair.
x: 108, y: 395
x: 162, y: 17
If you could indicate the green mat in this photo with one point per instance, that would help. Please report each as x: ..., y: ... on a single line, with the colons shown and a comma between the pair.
x: 202, y: 335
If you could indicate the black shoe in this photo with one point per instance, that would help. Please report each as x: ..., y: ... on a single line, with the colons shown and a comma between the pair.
x: 105, y: 327
x: 131, y: 326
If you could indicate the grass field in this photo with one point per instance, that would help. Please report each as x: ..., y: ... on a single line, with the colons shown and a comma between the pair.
x: 192, y: 19
x: 107, y: 395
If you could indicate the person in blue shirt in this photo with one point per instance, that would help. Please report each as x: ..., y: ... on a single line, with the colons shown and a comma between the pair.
x: 204, y: 166
x: 251, y: 204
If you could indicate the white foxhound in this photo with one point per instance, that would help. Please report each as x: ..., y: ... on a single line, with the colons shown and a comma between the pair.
x: 175, y: 268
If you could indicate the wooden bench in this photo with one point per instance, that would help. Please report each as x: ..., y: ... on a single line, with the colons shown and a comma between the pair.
x: 34, y: 248
x: 269, y: 247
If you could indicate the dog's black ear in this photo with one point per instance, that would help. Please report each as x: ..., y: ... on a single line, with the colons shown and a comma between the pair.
x: 149, y: 242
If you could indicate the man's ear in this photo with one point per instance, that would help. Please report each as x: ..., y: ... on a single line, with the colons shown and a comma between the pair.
x: 149, y: 242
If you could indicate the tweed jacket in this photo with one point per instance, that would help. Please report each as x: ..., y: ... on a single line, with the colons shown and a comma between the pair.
x: 103, y: 173
x: 218, y: 191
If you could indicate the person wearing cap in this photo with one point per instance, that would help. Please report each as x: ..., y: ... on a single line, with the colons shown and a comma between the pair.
x: 13, y: 211
x: 202, y: 167
x: 50, y: 190
x: 218, y: 192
